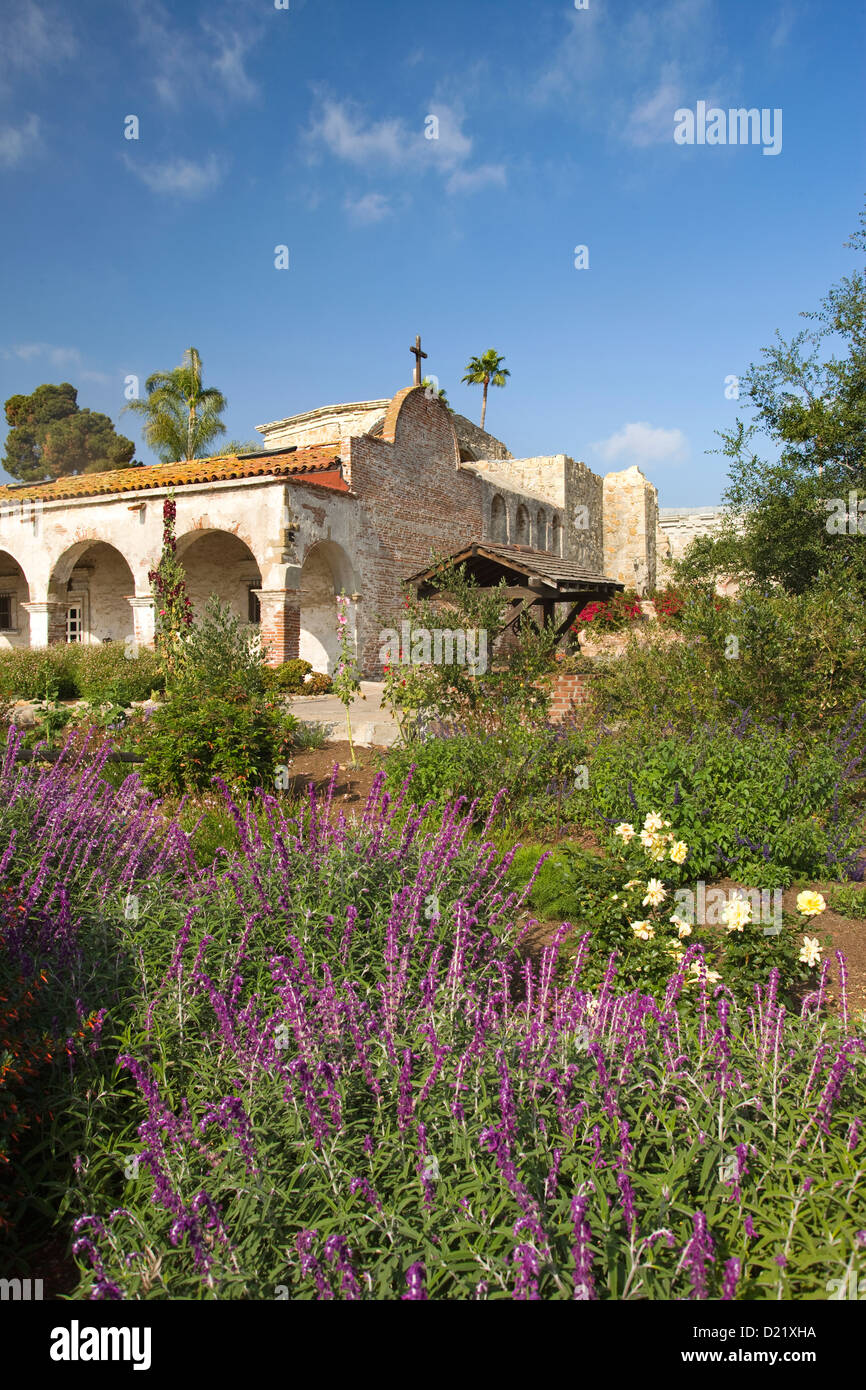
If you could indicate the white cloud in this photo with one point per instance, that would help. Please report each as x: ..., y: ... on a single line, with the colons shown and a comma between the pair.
x: 643, y: 444
x: 372, y: 207
x: 62, y: 359
x: 186, y: 178
x: 18, y: 143
x: 204, y: 61
x: 629, y: 73
x: 342, y: 130
x: 784, y: 23
x: 34, y: 37
x: 57, y: 356
x: 652, y: 120
x: 470, y: 180
x: 392, y: 145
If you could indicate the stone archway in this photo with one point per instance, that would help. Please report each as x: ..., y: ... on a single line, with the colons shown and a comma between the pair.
x: 14, y: 598
x: 219, y: 562
x: 521, y: 528
x: 89, y: 595
x: 327, y: 571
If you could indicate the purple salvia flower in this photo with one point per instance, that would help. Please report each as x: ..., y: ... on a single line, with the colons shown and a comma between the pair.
x: 698, y: 1253
x: 415, y: 1276
x: 731, y: 1278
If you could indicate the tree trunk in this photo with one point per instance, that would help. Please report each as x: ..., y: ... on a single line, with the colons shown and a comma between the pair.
x: 189, y: 431
x: 484, y: 402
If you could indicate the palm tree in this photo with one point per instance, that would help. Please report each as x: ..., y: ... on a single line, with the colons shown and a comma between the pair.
x: 182, y: 417
x: 236, y: 448
x: 484, y: 371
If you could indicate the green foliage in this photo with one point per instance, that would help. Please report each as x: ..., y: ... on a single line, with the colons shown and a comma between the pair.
x: 510, y: 688
x: 796, y: 658
x: 52, y: 437
x: 78, y: 671
x: 810, y: 402
x: 220, y: 655
x: 288, y: 677
x: 197, y: 736
x: 849, y: 900
x: 172, y: 607
x: 181, y: 416
x: 750, y: 802
x: 539, y: 767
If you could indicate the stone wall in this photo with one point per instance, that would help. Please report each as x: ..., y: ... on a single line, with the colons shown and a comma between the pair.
x: 630, y: 524
x: 542, y: 476
x: 584, y: 516
x: 327, y: 425
x: 472, y: 438
x: 677, y: 527
x: 540, y: 514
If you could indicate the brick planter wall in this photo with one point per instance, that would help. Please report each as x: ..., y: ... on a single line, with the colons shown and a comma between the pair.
x: 571, y: 692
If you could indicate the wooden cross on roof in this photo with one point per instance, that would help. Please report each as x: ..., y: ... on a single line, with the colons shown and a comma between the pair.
x: 418, y: 354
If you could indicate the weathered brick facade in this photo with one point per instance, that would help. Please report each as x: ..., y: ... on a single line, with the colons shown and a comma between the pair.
x: 350, y: 498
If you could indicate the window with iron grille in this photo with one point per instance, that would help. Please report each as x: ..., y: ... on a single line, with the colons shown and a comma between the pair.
x: 5, y: 612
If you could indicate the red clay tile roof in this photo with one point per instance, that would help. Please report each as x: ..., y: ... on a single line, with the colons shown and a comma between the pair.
x: 319, y: 460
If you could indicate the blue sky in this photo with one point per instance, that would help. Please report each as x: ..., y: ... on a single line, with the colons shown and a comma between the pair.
x: 306, y: 127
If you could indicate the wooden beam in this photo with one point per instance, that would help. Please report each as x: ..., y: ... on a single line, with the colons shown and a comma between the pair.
x: 569, y: 618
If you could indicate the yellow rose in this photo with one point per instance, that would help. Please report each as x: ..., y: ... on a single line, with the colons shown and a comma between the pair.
x: 810, y: 904
x: 643, y: 930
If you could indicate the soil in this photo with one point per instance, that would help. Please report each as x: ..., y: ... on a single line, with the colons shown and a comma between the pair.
x: 316, y: 765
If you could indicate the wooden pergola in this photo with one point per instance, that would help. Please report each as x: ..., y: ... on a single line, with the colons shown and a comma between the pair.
x: 535, y: 581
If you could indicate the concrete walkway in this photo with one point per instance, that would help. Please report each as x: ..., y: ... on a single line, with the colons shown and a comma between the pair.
x: 371, y: 724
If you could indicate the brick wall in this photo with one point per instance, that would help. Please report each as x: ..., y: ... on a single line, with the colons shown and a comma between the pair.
x: 571, y: 691
x: 414, y: 500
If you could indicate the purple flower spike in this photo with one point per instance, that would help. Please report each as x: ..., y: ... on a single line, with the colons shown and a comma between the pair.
x: 415, y: 1275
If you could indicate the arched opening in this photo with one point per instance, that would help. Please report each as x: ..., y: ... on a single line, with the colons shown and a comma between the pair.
x: 541, y: 531
x: 556, y: 544
x: 217, y: 562
x: 91, y: 585
x: 326, y: 572
x: 498, y: 520
x: 521, y: 536
x: 14, y: 593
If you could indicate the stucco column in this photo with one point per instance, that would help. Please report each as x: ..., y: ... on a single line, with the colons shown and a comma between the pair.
x: 143, y: 618
x: 280, y: 623
x: 47, y: 622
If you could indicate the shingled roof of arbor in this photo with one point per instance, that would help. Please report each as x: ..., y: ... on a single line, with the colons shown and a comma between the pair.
x: 487, y: 560
x: 318, y: 464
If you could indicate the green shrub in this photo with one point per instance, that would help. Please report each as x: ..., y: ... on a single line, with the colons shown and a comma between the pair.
x: 318, y: 684
x: 288, y: 677
x: 186, y: 743
x: 539, y: 767
x: 794, y: 658
x: 220, y: 655
x: 849, y: 900
x: 102, y: 672
x: 750, y: 801
x: 25, y: 674
x: 111, y: 674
